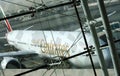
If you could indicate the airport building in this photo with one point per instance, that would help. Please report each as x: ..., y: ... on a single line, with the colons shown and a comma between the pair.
x: 60, y: 37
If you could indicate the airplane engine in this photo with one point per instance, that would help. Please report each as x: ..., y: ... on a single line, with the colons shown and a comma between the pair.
x: 10, y: 63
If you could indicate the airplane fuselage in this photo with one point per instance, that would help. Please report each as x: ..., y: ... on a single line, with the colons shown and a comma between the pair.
x: 55, y: 43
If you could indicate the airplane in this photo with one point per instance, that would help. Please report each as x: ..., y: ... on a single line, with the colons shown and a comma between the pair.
x: 48, y: 44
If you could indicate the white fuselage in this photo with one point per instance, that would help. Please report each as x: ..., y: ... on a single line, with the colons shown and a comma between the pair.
x: 55, y: 43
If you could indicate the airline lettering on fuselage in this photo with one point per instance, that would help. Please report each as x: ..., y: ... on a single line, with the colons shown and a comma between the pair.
x: 51, y: 48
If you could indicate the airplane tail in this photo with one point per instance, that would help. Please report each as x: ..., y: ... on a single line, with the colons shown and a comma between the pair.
x: 2, y: 15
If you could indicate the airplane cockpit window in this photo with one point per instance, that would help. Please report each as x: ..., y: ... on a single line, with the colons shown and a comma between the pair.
x: 115, y: 25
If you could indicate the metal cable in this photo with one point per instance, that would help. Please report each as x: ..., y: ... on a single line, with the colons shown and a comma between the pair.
x: 34, y: 11
x: 63, y: 72
x: 54, y: 40
x: 54, y: 44
x: 47, y: 43
x: 2, y: 72
x: 77, y: 13
x: 46, y: 65
x: 75, y: 41
x: 58, y: 51
x: 55, y: 73
x: 52, y: 72
x: 86, y: 44
x: 45, y: 72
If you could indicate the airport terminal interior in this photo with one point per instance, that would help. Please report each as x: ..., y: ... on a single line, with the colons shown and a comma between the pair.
x: 59, y: 37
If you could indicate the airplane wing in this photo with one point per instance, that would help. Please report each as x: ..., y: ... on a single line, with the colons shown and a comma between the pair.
x: 17, y: 53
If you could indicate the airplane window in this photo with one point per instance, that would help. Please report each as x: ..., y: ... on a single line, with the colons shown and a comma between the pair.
x: 115, y: 26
